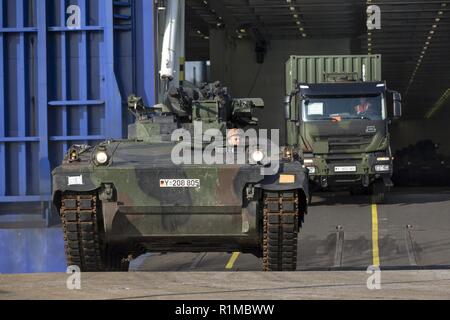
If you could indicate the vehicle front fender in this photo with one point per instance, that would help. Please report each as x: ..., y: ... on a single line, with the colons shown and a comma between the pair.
x: 283, y: 180
x: 78, y: 180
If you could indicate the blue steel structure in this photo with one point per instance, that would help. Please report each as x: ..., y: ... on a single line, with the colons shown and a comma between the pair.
x: 62, y: 85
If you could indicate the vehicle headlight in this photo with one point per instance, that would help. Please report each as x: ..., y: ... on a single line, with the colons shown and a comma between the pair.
x: 383, y: 159
x: 101, y: 158
x: 73, y: 155
x: 382, y: 168
x: 257, y: 156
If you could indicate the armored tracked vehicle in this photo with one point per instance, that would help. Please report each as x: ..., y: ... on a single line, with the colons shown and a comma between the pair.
x: 120, y: 199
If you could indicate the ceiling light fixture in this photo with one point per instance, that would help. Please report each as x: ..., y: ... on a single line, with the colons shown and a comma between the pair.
x: 219, y: 20
x: 430, y: 34
x: 296, y: 16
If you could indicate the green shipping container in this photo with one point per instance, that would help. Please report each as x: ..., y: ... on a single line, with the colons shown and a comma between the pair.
x: 321, y: 69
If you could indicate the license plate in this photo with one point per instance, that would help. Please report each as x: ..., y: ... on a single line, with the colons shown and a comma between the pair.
x: 179, y: 183
x: 345, y: 169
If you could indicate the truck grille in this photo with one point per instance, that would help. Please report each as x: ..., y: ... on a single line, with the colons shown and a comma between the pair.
x: 349, y: 144
x: 346, y: 178
x: 343, y: 161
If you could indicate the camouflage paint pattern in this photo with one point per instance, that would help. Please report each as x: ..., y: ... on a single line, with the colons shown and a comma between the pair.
x: 222, y: 214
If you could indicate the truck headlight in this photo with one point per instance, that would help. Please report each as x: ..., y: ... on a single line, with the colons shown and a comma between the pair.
x: 383, y: 159
x: 382, y: 168
x: 257, y: 156
x: 101, y: 157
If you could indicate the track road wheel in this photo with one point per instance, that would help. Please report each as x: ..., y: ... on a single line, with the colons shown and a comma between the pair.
x: 82, y: 236
x: 280, y: 234
x: 378, y: 192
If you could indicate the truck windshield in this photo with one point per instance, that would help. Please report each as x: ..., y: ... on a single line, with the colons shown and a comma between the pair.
x: 344, y: 108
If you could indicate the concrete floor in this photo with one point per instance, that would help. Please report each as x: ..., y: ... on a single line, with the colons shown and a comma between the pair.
x: 229, y: 285
x: 412, y: 232
x: 342, y: 235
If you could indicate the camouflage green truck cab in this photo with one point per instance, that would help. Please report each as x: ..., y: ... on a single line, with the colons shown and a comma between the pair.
x: 123, y: 198
x: 337, y: 113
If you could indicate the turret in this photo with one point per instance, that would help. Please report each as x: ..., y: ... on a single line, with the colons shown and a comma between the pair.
x: 211, y: 105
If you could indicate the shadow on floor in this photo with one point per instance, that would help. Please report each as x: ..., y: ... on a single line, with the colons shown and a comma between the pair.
x: 401, y: 196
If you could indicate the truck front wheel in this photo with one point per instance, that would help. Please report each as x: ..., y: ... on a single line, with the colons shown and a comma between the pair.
x: 379, y: 192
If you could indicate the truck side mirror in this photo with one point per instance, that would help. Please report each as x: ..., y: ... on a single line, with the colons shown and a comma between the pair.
x: 287, y: 107
x: 397, y: 98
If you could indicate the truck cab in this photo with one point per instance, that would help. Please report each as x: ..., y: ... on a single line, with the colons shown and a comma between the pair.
x: 342, y: 127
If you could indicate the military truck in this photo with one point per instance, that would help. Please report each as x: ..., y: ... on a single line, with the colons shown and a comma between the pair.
x: 122, y: 198
x: 337, y: 113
